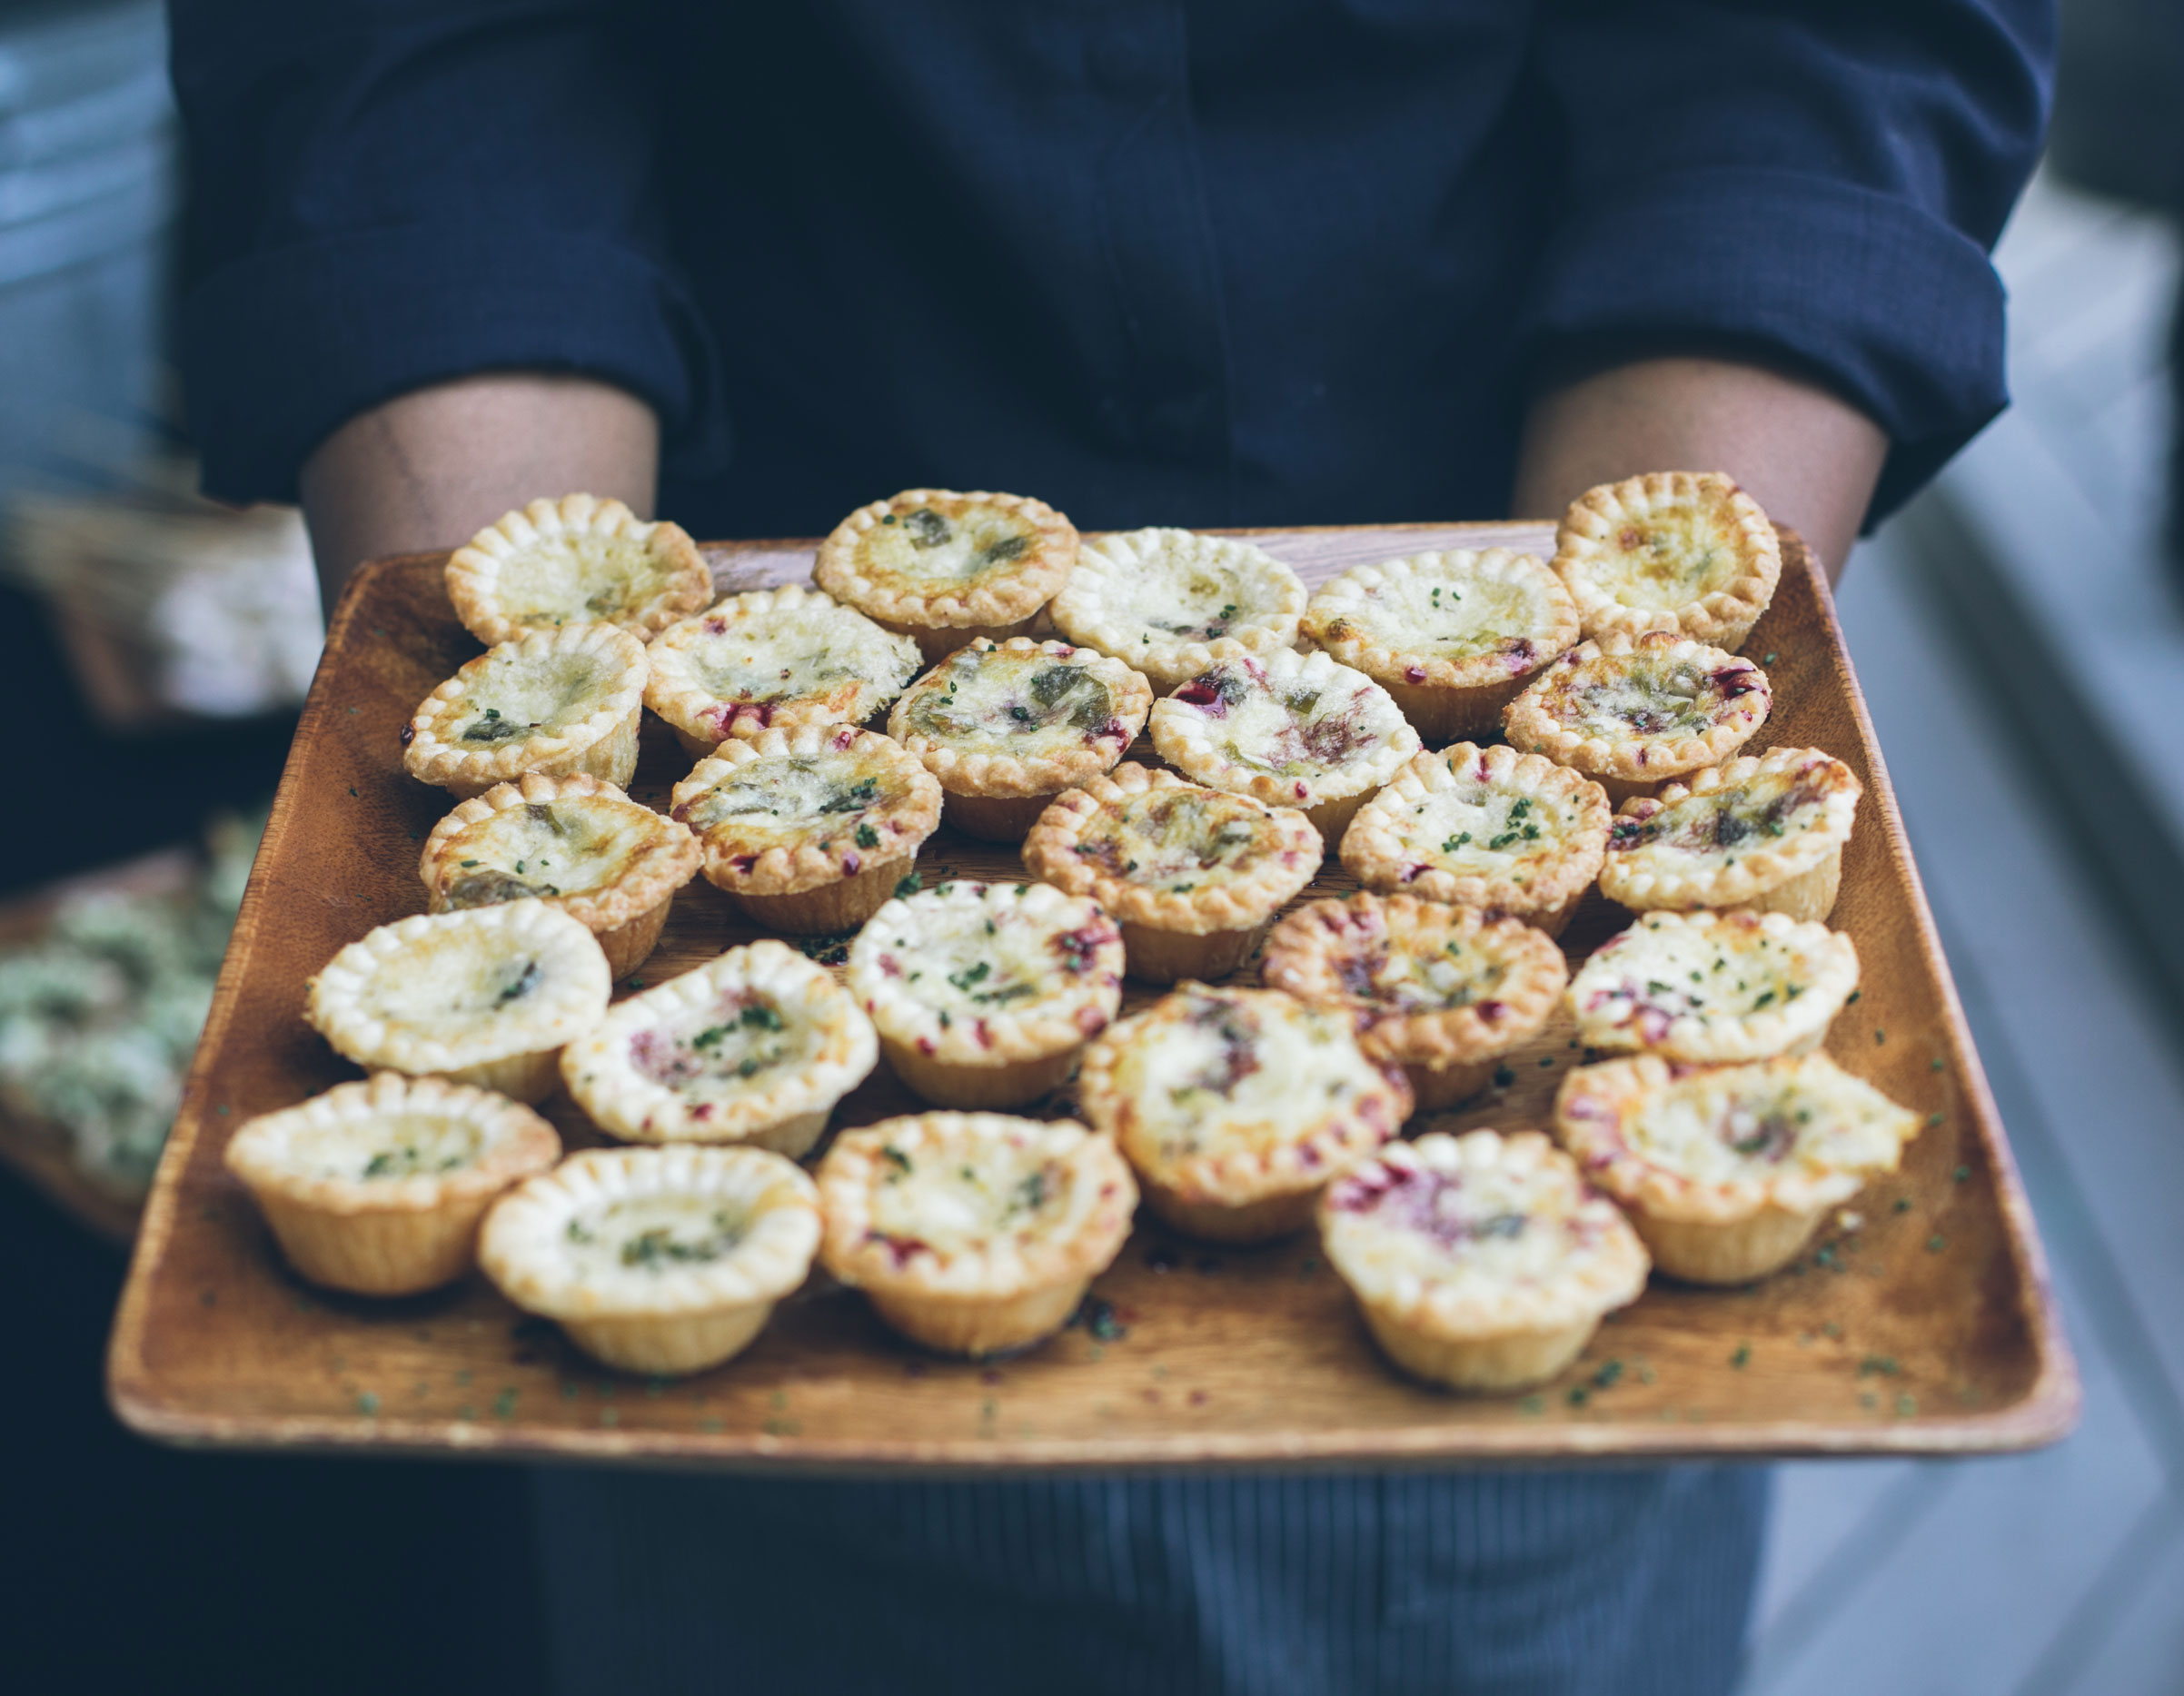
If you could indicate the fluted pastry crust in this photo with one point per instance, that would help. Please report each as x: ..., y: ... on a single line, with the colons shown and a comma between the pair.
x: 560, y: 702
x: 1733, y: 834
x: 1641, y: 709
x: 1154, y: 598
x: 757, y: 1046
x: 774, y: 658
x: 1483, y: 827
x: 576, y: 560
x: 1713, y: 985
x: 1685, y: 551
x: 935, y: 561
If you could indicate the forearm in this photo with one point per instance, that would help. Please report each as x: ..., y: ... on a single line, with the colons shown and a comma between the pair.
x: 1808, y: 458
x: 429, y: 469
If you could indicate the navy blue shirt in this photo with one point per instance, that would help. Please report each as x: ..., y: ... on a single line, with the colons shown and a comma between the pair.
x: 1186, y: 261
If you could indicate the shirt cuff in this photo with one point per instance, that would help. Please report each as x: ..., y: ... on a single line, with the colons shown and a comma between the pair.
x: 1899, y: 312
x: 281, y: 349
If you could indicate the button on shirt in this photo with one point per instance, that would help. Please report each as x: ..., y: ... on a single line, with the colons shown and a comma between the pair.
x: 1222, y: 261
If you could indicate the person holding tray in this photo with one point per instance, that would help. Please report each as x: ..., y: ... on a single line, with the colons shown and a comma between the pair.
x: 1181, y: 264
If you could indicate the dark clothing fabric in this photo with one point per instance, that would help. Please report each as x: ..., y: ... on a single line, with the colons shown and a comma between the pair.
x: 1185, y: 262
x: 1489, y: 1584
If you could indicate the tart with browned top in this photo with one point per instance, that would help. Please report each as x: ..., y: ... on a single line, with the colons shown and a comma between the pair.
x: 486, y: 997
x: 1443, y: 992
x: 1728, y: 1170
x: 1286, y: 729
x: 1154, y: 598
x: 558, y: 702
x: 576, y: 560
x: 1007, y: 726
x: 655, y: 1260
x: 810, y: 829
x: 984, y: 993
x: 1631, y: 712
x: 974, y: 1233
x: 377, y: 1187
x: 949, y: 569
x: 1487, y: 828
x: 1765, y: 833
x: 1235, y: 1106
x: 774, y: 658
x: 1713, y: 986
x: 1480, y: 1262
x: 576, y: 843
x: 1685, y: 551
x: 1193, y: 874
x: 754, y: 1046
x: 1453, y: 636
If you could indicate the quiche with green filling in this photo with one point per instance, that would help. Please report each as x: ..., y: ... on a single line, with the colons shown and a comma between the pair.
x: 1685, y: 551
x: 560, y: 702
x: 576, y: 560
x: 1154, y: 598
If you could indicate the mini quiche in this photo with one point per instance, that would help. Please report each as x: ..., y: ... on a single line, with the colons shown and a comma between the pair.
x: 1701, y: 986
x: 984, y: 993
x: 947, y: 569
x: 576, y: 843
x: 576, y: 560
x: 1728, y: 1170
x: 1765, y: 832
x: 974, y: 1233
x: 1235, y: 1106
x: 1451, y: 636
x: 1007, y: 726
x: 655, y: 1260
x: 555, y: 701
x: 1480, y: 1262
x: 1443, y: 992
x: 1287, y: 729
x: 485, y: 996
x: 1631, y: 712
x: 1685, y: 551
x: 754, y: 1046
x: 1154, y: 598
x: 1484, y: 827
x: 810, y: 829
x: 774, y: 658
x: 377, y: 1187
x: 1193, y: 874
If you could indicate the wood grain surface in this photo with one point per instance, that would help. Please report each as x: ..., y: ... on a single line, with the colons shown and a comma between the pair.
x: 1930, y: 1329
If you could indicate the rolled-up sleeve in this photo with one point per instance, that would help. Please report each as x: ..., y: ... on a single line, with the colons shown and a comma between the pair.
x: 384, y: 196
x: 1817, y: 178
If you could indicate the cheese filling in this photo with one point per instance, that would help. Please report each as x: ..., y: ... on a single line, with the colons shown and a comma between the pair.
x: 1219, y: 1078
x: 1647, y: 979
x: 966, y: 968
x: 545, y: 849
x: 793, y: 653
x: 929, y: 548
x: 389, y: 1146
x: 1307, y: 730
x: 574, y: 576
x: 953, y: 1200
x: 793, y: 798
x: 1176, y: 839
x: 1483, y: 1230
x: 656, y: 1235
x: 1388, y: 974
x: 985, y: 700
x: 1411, y: 614
x: 1725, y: 1124
x: 1759, y: 813
x: 1616, y: 698
x: 712, y: 1054
x: 447, y: 989
x: 523, y: 696
x: 1666, y: 560
x: 1471, y: 829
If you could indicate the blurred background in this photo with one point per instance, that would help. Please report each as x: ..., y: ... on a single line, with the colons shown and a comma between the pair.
x: 2018, y: 630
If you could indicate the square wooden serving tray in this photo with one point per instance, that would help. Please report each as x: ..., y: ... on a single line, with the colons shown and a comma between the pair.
x: 1930, y: 1327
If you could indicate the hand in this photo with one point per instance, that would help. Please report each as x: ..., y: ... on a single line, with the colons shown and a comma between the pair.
x: 428, y: 469
x: 1810, y: 459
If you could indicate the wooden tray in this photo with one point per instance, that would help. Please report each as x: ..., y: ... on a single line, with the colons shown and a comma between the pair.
x: 1931, y: 1329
